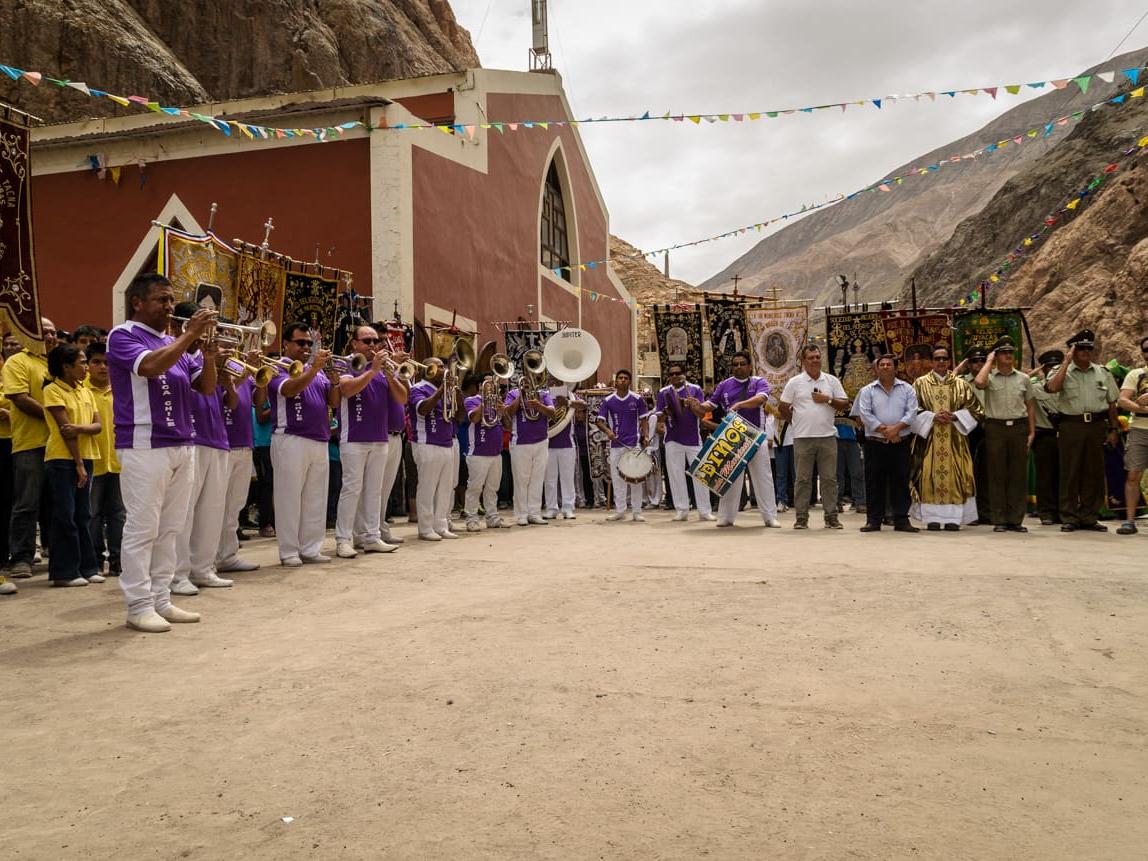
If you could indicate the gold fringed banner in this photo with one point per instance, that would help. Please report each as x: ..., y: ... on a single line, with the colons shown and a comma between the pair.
x: 313, y: 300
x: 775, y: 336
x: 259, y: 290
x: 201, y: 269
x: 19, y: 299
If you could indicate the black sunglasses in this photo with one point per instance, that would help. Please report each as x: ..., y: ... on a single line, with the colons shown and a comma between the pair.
x: 303, y: 342
x: 368, y: 340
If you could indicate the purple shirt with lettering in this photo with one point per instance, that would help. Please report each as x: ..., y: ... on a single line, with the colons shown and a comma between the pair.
x: 681, y: 424
x: 621, y: 416
x: 732, y: 390
x: 363, y: 417
x: 396, y: 416
x: 149, y: 412
x: 565, y: 437
x: 430, y: 429
x: 484, y: 441
x: 239, y: 421
x: 526, y: 431
x: 207, y: 419
x: 305, y: 414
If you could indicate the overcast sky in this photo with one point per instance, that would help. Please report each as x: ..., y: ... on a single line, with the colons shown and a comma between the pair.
x: 667, y: 183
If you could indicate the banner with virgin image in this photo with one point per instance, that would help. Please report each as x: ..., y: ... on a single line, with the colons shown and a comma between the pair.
x: 775, y: 336
x: 678, y: 329
x: 728, y: 333
x: 854, y: 339
x: 313, y: 300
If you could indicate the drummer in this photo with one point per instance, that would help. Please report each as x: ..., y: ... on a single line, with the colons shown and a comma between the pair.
x: 618, y: 418
x: 748, y: 396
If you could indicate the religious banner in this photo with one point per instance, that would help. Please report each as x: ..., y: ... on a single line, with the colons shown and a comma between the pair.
x: 855, y: 340
x: 904, y: 329
x: 191, y: 261
x: 984, y: 327
x: 19, y: 299
x: 354, y: 311
x: 726, y: 453
x: 396, y: 337
x: 518, y: 341
x: 596, y: 439
x: 678, y: 329
x: 775, y: 336
x: 728, y: 333
x: 313, y: 300
x: 259, y: 290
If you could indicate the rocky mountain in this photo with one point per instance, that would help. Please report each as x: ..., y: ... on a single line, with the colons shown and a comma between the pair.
x: 189, y: 53
x: 885, y: 238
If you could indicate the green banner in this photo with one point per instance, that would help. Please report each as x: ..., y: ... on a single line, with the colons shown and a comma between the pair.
x: 983, y: 328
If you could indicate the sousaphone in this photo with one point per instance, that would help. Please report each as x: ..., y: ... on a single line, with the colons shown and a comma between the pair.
x: 571, y: 355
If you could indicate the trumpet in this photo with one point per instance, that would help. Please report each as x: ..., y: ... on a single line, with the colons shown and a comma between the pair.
x: 232, y: 334
x: 293, y: 368
x: 409, y: 369
x: 350, y: 364
x: 208, y: 335
x: 238, y: 368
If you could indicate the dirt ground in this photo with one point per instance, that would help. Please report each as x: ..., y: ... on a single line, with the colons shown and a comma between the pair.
x: 598, y: 690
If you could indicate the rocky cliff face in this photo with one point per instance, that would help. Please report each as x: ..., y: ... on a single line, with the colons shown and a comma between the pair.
x: 188, y: 53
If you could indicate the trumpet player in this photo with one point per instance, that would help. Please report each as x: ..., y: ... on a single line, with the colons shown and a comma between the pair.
x: 364, y: 447
x: 299, y: 408
x: 530, y: 409
x: 487, y: 417
x: 433, y: 444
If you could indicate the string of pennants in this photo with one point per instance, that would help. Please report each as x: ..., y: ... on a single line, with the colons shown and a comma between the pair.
x: 258, y: 132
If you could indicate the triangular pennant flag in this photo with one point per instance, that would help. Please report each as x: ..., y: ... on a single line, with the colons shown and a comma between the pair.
x: 1083, y: 81
x: 498, y: 126
x: 723, y: 117
x: 171, y: 111
x: 1131, y: 74
x: 528, y: 125
x: 755, y: 116
x: 877, y: 102
x: 1118, y: 100
x: 512, y: 126
x: 737, y: 118
x: 1018, y: 139
x: 543, y: 125
x: 992, y: 91
x: 14, y: 74
x: 1061, y: 84
x: 1039, y: 85
x: 120, y: 100
x: 1138, y: 93
x: 881, y: 187
x: 33, y: 78
x: 81, y: 86
x: 771, y: 114
x: 470, y: 132
x: 1107, y: 77
x: 1073, y: 204
x: 139, y: 100
x: 1143, y: 142
x: 932, y: 96
x: 1012, y: 89
x: 695, y: 119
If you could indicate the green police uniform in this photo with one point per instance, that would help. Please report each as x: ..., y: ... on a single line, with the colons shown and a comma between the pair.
x: 1083, y: 406
x: 1006, y: 445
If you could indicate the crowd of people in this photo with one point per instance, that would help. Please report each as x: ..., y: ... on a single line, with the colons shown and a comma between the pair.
x: 131, y: 454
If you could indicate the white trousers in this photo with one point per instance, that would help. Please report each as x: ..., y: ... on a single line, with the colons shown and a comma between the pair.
x: 484, y: 475
x: 156, y: 486
x: 238, y: 486
x: 762, y: 478
x: 394, y: 460
x: 560, y: 478
x: 198, y: 541
x: 528, y: 465
x: 438, y: 470
x: 301, y: 473
x: 361, y: 496
x: 622, y: 487
x: 678, y: 459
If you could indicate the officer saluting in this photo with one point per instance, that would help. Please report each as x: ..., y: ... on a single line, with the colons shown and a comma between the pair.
x: 1045, y: 450
x: 1086, y: 400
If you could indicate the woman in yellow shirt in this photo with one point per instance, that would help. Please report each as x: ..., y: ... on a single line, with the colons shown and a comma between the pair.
x: 73, y: 423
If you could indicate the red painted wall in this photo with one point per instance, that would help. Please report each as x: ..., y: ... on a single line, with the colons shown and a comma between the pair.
x: 86, y: 229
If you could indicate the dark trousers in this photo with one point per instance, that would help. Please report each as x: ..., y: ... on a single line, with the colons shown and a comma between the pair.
x: 1081, y: 447
x: 783, y: 481
x: 27, y: 488
x: 107, y: 518
x: 1046, y: 464
x: 887, y: 476
x: 587, y: 481
x: 976, y: 441
x: 1006, y: 462
x: 5, y: 498
x: 265, y: 478
x: 72, y: 552
x: 850, y: 474
x: 334, y: 488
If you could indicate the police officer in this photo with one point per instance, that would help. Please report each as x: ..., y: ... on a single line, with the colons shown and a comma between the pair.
x: 1045, y: 450
x: 1086, y: 399
x: 967, y: 370
x: 1010, y: 426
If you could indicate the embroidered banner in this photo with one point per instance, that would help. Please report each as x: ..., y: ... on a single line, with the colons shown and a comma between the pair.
x: 983, y: 328
x: 518, y: 341
x: 19, y: 299
x: 775, y: 336
x: 313, y: 300
x: 190, y: 261
x: 678, y: 330
x: 855, y: 340
x: 728, y: 333
x: 903, y: 329
x: 259, y: 290
x: 354, y: 311
x: 596, y: 439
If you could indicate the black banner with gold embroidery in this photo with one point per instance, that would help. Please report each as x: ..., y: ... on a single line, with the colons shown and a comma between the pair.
x: 19, y: 300
x: 679, y: 334
x: 312, y: 300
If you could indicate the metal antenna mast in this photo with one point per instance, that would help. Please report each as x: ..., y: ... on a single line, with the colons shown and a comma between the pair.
x: 540, y: 59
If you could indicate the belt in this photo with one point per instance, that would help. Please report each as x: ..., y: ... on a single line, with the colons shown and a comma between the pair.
x: 1087, y: 418
x: 882, y: 439
x: 394, y: 433
x: 1008, y: 423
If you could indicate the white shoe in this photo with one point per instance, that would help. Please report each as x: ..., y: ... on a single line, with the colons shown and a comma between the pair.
x: 710, y: 517
x: 535, y: 520
x: 183, y: 587
x: 782, y: 507
x: 291, y: 562
x: 236, y: 564
x: 723, y: 523
x: 430, y: 536
x: 569, y: 515
x: 522, y: 521
x: 212, y: 581
x: 172, y: 613
x: 379, y: 547
x: 681, y: 517
x: 392, y: 539
x: 447, y: 534
x: 8, y: 588
x: 639, y: 518
x: 96, y: 578
x: 344, y: 550
x: 472, y: 525
x: 617, y: 515
x: 316, y: 559
x: 773, y: 523
x: 149, y: 621
x: 550, y: 515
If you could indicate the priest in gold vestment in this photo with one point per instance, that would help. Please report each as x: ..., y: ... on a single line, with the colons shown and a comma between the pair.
x: 944, y: 490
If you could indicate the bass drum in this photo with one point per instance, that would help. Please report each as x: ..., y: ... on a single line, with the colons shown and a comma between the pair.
x: 635, y: 465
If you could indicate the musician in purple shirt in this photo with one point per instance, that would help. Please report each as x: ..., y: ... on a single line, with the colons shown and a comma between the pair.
x: 487, y: 417
x: 153, y: 379
x: 558, y: 489
x: 529, y: 450
x: 678, y: 424
x: 433, y: 445
x: 299, y: 410
x: 748, y: 396
x: 619, y: 418
x: 396, y: 425
x: 240, y: 439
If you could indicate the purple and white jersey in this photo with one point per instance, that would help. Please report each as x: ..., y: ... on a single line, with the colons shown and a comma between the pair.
x: 681, y: 424
x: 239, y: 421
x: 305, y: 414
x: 363, y: 417
x: 731, y: 390
x: 396, y: 416
x: 565, y: 437
x: 621, y: 416
x: 149, y: 412
x: 207, y: 419
x: 431, y: 429
x: 524, y: 431
x: 484, y: 442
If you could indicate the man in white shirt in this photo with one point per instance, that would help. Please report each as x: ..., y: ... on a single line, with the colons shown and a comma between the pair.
x: 809, y: 402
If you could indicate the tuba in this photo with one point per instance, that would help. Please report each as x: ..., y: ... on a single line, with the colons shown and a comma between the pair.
x: 461, y: 360
x: 502, y: 370
x: 571, y: 355
x: 533, y: 366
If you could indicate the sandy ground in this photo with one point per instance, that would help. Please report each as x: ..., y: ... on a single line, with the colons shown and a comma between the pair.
x: 598, y: 690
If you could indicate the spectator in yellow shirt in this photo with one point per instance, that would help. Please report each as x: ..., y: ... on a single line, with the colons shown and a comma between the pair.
x: 10, y: 348
x: 73, y: 424
x: 107, y: 501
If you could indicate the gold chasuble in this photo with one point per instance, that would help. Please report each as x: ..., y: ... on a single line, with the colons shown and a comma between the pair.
x: 943, y: 487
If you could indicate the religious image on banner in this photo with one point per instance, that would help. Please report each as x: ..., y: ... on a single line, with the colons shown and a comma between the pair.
x: 313, y: 300
x: 19, y: 299
x: 775, y: 336
x: 678, y: 329
x: 728, y: 333
x: 354, y: 311
x: 904, y: 329
x: 855, y: 341
x: 596, y: 439
x: 984, y: 327
x: 519, y: 341
x: 189, y: 261
x: 259, y: 290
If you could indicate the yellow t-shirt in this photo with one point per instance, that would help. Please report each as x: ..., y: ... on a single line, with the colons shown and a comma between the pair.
x: 105, y: 439
x: 81, y: 409
x: 25, y: 373
x: 1137, y: 381
x: 5, y: 422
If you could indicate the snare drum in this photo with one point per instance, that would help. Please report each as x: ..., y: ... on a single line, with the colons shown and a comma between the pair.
x: 634, y: 465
